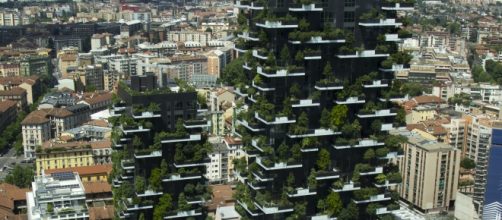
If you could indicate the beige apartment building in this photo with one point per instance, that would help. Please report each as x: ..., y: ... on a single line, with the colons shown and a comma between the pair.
x: 9, y: 69
x: 430, y: 171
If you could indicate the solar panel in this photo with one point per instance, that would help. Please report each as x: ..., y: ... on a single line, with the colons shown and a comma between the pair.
x: 63, y: 176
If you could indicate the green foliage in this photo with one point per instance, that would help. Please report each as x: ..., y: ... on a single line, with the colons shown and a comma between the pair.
x: 302, y: 124
x: 163, y: 168
x: 365, y: 193
x: 479, y: 75
x: 20, y: 176
x: 311, y: 179
x: 295, y: 91
x: 324, y: 160
x: 162, y: 208
x: 467, y: 163
x: 283, y: 151
x: 333, y: 204
x: 369, y: 154
x: 139, y: 184
x: 339, y: 115
x: 233, y: 73
x: 182, y: 203
x: 155, y: 180
x: 460, y: 99
x: 349, y: 213
x: 325, y: 120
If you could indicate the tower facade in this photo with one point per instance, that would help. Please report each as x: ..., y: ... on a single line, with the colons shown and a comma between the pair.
x: 316, y: 106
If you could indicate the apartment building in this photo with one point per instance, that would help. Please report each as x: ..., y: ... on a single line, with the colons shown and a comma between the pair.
x: 94, y: 77
x: 9, y: 69
x: 185, y: 67
x: 8, y: 113
x: 57, y: 196
x: 430, y: 171
x: 31, y: 84
x: 93, y: 173
x: 13, y: 18
x: 190, y: 36
x: 42, y: 125
x: 15, y: 94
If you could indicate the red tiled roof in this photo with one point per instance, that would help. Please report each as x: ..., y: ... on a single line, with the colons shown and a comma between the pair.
x: 7, y: 104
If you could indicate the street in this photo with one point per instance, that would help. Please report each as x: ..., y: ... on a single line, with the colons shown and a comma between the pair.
x: 9, y: 159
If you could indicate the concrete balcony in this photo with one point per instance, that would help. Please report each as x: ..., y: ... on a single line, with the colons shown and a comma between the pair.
x: 190, y: 164
x: 351, y: 101
x: 376, y: 84
x: 248, y: 36
x: 377, y: 170
x: 246, y: 66
x: 395, y: 68
x: 322, y: 217
x: 350, y: 186
x: 388, y: 22
x: 269, y: 210
x: 239, y: 177
x: 398, y: 7
x: 238, y: 92
x: 255, y: 186
x: 278, y: 166
x: 127, y: 164
x: 328, y: 86
x: 301, y: 192
x: 386, y: 184
x: 197, y: 124
x: 305, y: 8
x: 307, y: 150
x: 258, y: 55
x: 254, y: 143
x: 277, y: 25
x: 249, y: 126
x: 315, y: 133
x: 396, y: 99
x: 363, y: 54
x: 178, y: 177
x: 132, y: 130
x: 152, y: 154
x: 392, y: 155
x: 262, y: 178
x: 303, y: 103
x: 361, y: 143
x: 312, y: 55
x: 184, y: 214
x: 279, y: 73
x: 378, y: 114
x: 145, y: 115
x: 248, y: 210
x: 263, y: 88
x: 236, y: 48
x: 319, y: 40
x: 149, y: 193
x: 328, y: 175
x: 387, y: 127
x: 190, y: 138
x: 276, y: 120
x: 375, y: 198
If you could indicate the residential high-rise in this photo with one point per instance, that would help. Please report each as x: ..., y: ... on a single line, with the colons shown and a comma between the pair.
x: 492, y: 204
x: 315, y: 108
x: 160, y: 153
x: 430, y: 171
x: 94, y: 77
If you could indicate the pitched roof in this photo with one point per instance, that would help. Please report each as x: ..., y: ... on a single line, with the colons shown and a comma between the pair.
x: 222, y: 194
x: 8, y: 194
x: 97, y: 187
x: 16, y: 91
x: 101, y: 213
x: 98, y: 97
x: 78, y: 144
x: 98, y: 123
x: 35, y: 117
x: 7, y: 104
x: 17, y: 80
x: 426, y: 99
x: 85, y: 170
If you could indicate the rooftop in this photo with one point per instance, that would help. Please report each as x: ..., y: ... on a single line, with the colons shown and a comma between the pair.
x: 7, y: 104
x: 85, y: 170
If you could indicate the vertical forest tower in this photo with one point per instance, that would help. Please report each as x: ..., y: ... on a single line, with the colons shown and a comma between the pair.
x: 316, y: 106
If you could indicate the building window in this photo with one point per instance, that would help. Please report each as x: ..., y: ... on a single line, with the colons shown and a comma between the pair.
x: 348, y: 16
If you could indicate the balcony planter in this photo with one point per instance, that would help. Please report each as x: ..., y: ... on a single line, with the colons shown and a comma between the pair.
x: 305, y: 7
x: 182, y: 177
x: 183, y: 214
x: 324, y: 85
x: 382, y: 83
x: 277, y: 24
x: 377, y: 113
x: 270, y: 165
x: 398, y: 6
x: 274, y: 120
x: 273, y: 208
x: 345, y: 187
x: 327, y: 175
x: 351, y: 100
x: 315, y: 133
x: 250, y: 209
x: 301, y: 192
x: 312, y: 55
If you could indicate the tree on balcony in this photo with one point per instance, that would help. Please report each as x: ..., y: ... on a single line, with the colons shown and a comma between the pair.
x: 303, y: 25
x: 299, y: 57
x: 349, y: 213
x: 371, y: 209
x: 325, y: 120
x: 285, y: 55
x: 301, y: 126
x: 290, y: 182
x: 333, y: 204
x: 163, y: 207
x: 283, y: 151
x: 376, y: 127
x: 139, y: 184
x: 300, y: 209
x: 324, y: 160
x: 163, y: 168
x: 155, y: 180
x: 369, y: 155
x: 295, y: 91
x: 365, y: 193
x: 311, y: 180
x: 339, y: 115
x: 182, y: 203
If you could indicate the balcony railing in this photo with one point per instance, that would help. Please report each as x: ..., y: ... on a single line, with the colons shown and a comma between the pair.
x: 305, y: 8
x: 380, y: 23
x: 315, y: 133
x: 278, y: 24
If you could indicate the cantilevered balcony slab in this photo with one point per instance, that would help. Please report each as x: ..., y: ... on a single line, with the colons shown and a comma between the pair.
x: 396, y: 99
x: 315, y: 133
x: 309, y: 149
x: 305, y: 8
x: 398, y: 7
x: 254, y: 143
x: 149, y: 193
x: 145, y: 115
x: 277, y: 25
x: 263, y: 88
x: 190, y: 138
x: 190, y: 164
x: 248, y: 36
x: 301, y: 192
x: 273, y: 209
x: 376, y: 84
x: 249, y: 126
x: 387, y: 127
x: 328, y: 87
x: 382, y: 211
x: 177, y: 177
x: 255, y: 186
x: 279, y: 73
x: 303, y: 103
x: 246, y: 66
x: 319, y: 40
x: 351, y: 101
x: 249, y: 5
x: 388, y: 22
x: 245, y: 207
x: 152, y: 154
x: 252, y: 99
x: 184, y: 214
x: 276, y: 121
x: 262, y: 178
x: 238, y: 92
x: 137, y: 129
x: 375, y: 171
x: 362, y: 143
x: 240, y: 50
x: 197, y: 124
x: 127, y: 164
x: 322, y: 217
x: 395, y: 68
x: 392, y: 155
x: 258, y: 55
x: 378, y: 114
x: 328, y: 175
x: 375, y: 198
x: 363, y: 54
x: 350, y: 186
x: 386, y: 184
x: 278, y: 166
